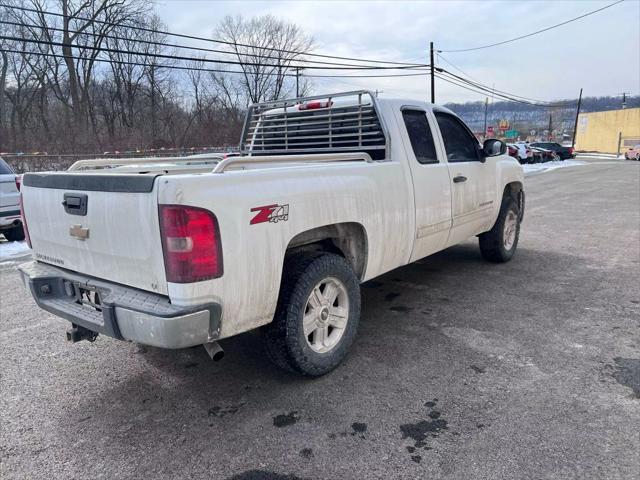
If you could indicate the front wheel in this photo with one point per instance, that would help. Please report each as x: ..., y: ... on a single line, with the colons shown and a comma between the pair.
x: 317, y: 314
x: 499, y: 244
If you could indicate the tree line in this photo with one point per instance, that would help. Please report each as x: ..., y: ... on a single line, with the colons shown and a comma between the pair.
x: 80, y: 76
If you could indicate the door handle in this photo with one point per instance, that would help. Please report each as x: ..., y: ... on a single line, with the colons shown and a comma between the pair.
x: 459, y: 178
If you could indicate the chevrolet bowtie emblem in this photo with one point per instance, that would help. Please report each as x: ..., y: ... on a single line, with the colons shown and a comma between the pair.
x: 78, y: 232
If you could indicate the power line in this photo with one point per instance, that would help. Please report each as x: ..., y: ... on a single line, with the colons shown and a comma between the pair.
x: 460, y: 82
x: 536, y: 32
x: 493, y: 90
x: 186, y: 47
x: 193, y: 59
x: 441, y: 57
x: 192, y: 37
x: 483, y: 93
x: 177, y: 57
x: 197, y: 69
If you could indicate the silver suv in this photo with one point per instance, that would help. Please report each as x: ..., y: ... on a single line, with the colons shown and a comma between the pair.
x: 10, y: 220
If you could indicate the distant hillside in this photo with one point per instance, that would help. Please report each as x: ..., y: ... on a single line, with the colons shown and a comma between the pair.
x: 526, y: 118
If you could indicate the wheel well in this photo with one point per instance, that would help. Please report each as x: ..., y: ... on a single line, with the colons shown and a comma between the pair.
x: 515, y: 191
x: 512, y: 190
x: 346, y: 239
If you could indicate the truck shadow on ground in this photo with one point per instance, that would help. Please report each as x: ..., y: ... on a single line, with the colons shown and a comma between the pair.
x: 184, y: 397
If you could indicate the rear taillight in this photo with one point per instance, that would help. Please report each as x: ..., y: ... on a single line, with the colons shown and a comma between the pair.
x: 24, y: 223
x: 570, y: 150
x: 18, y: 181
x: 314, y: 105
x: 190, y: 243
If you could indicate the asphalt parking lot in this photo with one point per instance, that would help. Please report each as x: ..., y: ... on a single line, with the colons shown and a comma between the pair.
x: 461, y: 369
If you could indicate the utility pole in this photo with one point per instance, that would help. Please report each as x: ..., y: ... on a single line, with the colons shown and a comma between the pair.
x: 433, y: 77
x: 575, y: 125
x: 624, y: 100
x: 619, y: 143
x: 550, y: 128
x: 486, y: 106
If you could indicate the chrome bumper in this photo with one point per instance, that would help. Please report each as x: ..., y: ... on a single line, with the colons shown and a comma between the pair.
x: 123, y: 312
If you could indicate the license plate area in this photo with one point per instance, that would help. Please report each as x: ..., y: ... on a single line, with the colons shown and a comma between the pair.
x: 83, y: 295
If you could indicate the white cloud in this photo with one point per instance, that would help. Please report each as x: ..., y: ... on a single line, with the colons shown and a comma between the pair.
x: 600, y: 53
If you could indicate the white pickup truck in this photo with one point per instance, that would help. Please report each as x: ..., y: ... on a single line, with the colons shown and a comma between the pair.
x: 328, y: 192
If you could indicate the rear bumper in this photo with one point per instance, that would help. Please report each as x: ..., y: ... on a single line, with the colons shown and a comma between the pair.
x: 125, y: 313
x: 10, y: 217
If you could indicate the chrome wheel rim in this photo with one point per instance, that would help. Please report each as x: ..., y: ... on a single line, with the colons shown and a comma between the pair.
x: 326, y: 315
x: 510, y: 229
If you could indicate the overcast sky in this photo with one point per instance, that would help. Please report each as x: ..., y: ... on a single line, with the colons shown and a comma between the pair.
x: 600, y: 53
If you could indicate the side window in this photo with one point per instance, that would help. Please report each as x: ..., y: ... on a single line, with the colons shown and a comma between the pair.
x: 460, y: 145
x: 420, y: 135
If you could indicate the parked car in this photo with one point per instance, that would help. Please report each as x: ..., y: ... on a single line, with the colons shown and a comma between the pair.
x: 278, y: 238
x: 544, y: 155
x: 10, y: 220
x: 564, y: 153
x: 525, y: 155
x: 633, y: 153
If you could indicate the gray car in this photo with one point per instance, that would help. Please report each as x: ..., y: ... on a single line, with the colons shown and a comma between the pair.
x: 10, y: 220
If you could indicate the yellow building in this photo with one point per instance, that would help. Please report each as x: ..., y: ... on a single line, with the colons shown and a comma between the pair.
x: 601, y: 131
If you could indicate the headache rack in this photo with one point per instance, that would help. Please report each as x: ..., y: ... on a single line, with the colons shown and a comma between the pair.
x: 341, y: 122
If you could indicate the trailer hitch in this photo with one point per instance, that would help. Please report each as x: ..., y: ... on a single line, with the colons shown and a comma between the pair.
x: 78, y: 333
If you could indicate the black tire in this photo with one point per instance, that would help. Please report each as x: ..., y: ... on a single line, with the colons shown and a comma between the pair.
x: 15, y: 234
x: 492, y: 245
x: 285, y: 341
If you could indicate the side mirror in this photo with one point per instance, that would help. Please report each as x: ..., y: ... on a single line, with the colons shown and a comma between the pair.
x: 493, y: 147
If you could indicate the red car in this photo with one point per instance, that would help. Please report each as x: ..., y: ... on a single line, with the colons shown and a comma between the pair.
x: 633, y: 153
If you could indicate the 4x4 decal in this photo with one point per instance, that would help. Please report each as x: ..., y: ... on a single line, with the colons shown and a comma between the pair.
x: 270, y: 213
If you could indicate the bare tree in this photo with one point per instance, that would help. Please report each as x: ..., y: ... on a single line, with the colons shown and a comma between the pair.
x: 88, y: 80
x: 267, y: 48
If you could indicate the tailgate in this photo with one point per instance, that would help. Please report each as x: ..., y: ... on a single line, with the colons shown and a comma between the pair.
x: 102, y: 225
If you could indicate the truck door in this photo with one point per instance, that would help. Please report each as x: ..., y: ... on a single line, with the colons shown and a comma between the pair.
x: 431, y: 182
x: 472, y: 180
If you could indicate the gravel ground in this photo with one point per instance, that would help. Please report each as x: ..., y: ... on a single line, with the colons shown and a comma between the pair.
x: 461, y: 369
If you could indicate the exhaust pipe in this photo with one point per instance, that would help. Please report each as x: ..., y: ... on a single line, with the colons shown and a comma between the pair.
x: 214, y: 350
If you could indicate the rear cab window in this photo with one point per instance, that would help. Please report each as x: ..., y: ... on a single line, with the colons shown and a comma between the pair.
x: 420, y: 136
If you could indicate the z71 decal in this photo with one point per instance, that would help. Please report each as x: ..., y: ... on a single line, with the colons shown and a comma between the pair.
x: 270, y: 213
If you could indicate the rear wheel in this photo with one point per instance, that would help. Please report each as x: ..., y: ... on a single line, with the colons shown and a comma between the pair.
x: 15, y: 234
x: 499, y: 244
x: 317, y: 314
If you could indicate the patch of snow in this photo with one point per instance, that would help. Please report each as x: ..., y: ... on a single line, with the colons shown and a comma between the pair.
x: 600, y: 155
x: 13, y: 249
x: 530, y: 168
